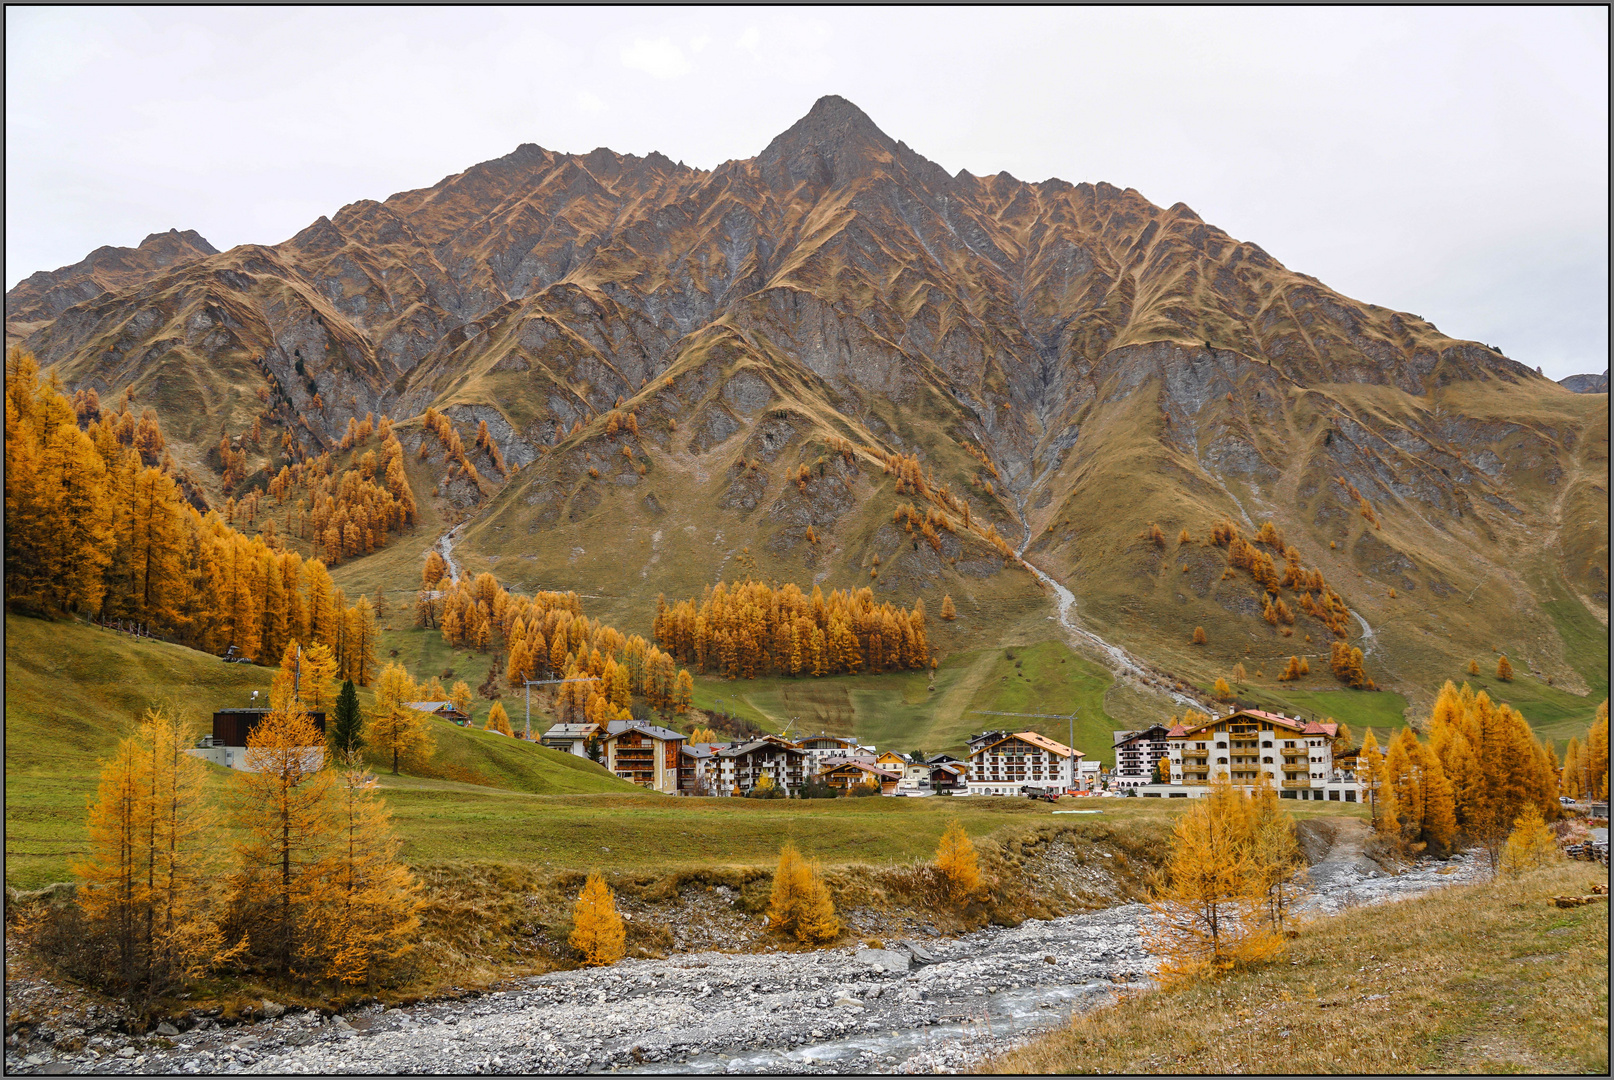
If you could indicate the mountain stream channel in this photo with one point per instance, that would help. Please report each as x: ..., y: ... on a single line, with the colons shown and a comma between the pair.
x: 918, y: 1006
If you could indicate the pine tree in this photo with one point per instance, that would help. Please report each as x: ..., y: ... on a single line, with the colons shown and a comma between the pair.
x: 498, y: 720
x: 282, y: 816
x: 347, y: 726
x: 1504, y: 670
x: 597, y: 929
x: 318, y: 678
x: 683, y: 694
x: 395, y: 730
x: 948, y: 610
x: 361, y: 642
x: 461, y: 697
x: 1594, y: 754
x: 1381, y: 795
x: 1199, y: 635
x: 955, y: 858
x: 1473, y: 667
x: 1221, y: 691
x: 370, y: 906
x: 800, y: 903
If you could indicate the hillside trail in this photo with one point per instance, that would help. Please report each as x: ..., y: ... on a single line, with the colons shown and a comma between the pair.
x: 1121, y: 660
x: 445, y: 546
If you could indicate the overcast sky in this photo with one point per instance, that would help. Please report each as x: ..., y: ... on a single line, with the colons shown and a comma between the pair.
x: 1448, y: 162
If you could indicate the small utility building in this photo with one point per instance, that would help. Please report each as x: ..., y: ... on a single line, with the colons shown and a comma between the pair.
x: 227, y: 745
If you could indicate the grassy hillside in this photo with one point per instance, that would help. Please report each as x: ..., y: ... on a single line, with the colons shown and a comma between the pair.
x: 73, y: 690
x: 1476, y: 978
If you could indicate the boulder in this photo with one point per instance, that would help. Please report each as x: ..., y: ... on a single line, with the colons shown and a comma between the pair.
x: 273, y: 1009
x: 885, y: 959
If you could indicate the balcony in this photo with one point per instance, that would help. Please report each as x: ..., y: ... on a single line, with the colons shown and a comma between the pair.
x: 1306, y: 783
x: 1306, y: 769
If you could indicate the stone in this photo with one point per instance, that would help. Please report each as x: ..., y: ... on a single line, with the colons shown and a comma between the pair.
x: 885, y: 959
x: 166, y: 1028
x: 126, y: 1052
x: 272, y: 1009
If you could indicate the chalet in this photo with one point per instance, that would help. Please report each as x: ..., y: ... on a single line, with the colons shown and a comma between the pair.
x: 1136, y: 755
x: 227, y: 745
x: 820, y: 747
x: 643, y: 753
x: 1251, y: 747
x: 985, y: 737
x: 947, y: 777
x: 849, y: 774
x: 891, y: 760
x: 569, y: 738
x: 1025, y: 759
x: 443, y: 710
x: 741, y: 765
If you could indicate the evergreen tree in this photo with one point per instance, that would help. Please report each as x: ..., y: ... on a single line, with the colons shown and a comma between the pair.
x: 347, y: 726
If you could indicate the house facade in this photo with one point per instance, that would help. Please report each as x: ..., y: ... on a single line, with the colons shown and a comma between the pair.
x: 227, y: 745
x: 1252, y: 747
x: 849, y: 774
x: 740, y: 766
x: 569, y: 738
x: 1136, y: 756
x: 643, y: 754
x: 820, y: 748
x: 1025, y: 759
x: 443, y: 710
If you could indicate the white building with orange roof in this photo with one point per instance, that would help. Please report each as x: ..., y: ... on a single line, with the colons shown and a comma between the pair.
x: 1251, y: 747
x: 1011, y: 763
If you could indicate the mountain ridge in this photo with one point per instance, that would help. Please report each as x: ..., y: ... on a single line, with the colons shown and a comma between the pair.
x: 839, y: 301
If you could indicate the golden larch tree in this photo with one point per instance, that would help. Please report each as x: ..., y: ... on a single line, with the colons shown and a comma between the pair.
x: 1504, y: 669
x: 371, y: 903
x: 597, y: 929
x: 282, y: 816
x: 800, y: 904
x: 498, y: 720
x: 397, y: 732
x: 1530, y: 845
x: 955, y: 858
x: 1199, y: 635
x: 948, y: 610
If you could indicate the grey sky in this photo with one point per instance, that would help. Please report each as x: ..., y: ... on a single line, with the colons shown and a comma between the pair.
x: 1448, y: 162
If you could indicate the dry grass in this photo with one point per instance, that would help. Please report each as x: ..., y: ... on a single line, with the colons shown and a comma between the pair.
x: 1482, y: 978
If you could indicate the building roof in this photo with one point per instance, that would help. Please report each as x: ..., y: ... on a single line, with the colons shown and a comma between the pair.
x: 701, y: 750
x: 1128, y: 736
x: 1295, y: 724
x: 736, y: 749
x: 571, y: 731
x: 618, y: 727
x: 432, y: 706
x: 956, y: 768
x: 1036, y: 740
x: 866, y: 767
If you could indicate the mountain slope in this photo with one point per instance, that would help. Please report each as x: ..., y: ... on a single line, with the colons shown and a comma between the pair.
x: 1069, y: 362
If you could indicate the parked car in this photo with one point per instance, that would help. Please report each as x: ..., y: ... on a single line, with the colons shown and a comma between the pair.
x: 1566, y: 800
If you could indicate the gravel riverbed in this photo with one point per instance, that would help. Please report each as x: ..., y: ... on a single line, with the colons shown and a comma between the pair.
x: 925, y: 1004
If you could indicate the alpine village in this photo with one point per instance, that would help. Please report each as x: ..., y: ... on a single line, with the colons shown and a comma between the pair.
x: 817, y: 614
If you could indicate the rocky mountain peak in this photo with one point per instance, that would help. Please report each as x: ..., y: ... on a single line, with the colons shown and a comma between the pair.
x: 834, y: 144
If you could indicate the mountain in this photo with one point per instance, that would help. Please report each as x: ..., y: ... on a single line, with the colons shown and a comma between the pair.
x: 44, y: 295
x: 1586, y: 384
x: 1070, y: 362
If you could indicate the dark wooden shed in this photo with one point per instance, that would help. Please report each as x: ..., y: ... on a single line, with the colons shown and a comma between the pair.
x: 232, y: 726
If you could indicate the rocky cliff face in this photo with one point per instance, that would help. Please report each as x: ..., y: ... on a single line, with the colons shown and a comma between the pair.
x: 1069, y: 360
x: 1586, y: 384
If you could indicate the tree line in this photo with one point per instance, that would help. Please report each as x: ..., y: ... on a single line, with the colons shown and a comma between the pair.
x: 753, y: 628
x: 92, y: 529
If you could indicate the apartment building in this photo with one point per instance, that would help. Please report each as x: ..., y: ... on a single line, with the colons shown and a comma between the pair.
x: 1025, y: 759
x: 1250, y: 747
x: 645, y: 754
x: 1136, y: 755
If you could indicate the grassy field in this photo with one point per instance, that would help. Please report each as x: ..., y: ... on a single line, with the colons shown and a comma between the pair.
x: 72, y: 691
x: 1479, y: 978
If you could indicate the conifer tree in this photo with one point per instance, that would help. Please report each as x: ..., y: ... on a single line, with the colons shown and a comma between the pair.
x: 318, y: 678
x: 1199, y: 635
x: 396, y: 731
x: 948, y: 610
x: 1221, y: 691
x: 360, y: 642
x: 1381, y: 795
x: 1473, y: 667
x: 683, y: 695
x: 1594, y: 755
x: 955, y: 858
x: 370, y: 903
x: 347, y: 725
x: 461, y: 697
x: 282, y: 817
x: 800, y: 903
x: 498, y: 720
x: 1208, y: 912
x: 597, y: 929
x: 1530, y: 845
x: 1504, y: 670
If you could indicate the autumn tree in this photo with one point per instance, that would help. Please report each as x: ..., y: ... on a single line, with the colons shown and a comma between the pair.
x: 281, y: 816
x: 143, y: 889
x: 1473, y: 667
x: 1221, y: 691
x: 460, y: 697
x: 948, y: 610
x: 370, y: 903
x: 1209, y: 909
x: 1594, y: 754
x: 498, y: 720
x: 396, y: 731
x: 800, y: 904
x: 955, y: 858
x: 1531, y: 845
x: 597, y: 929
x: 1199, y: 635
x: 1504, y: 669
